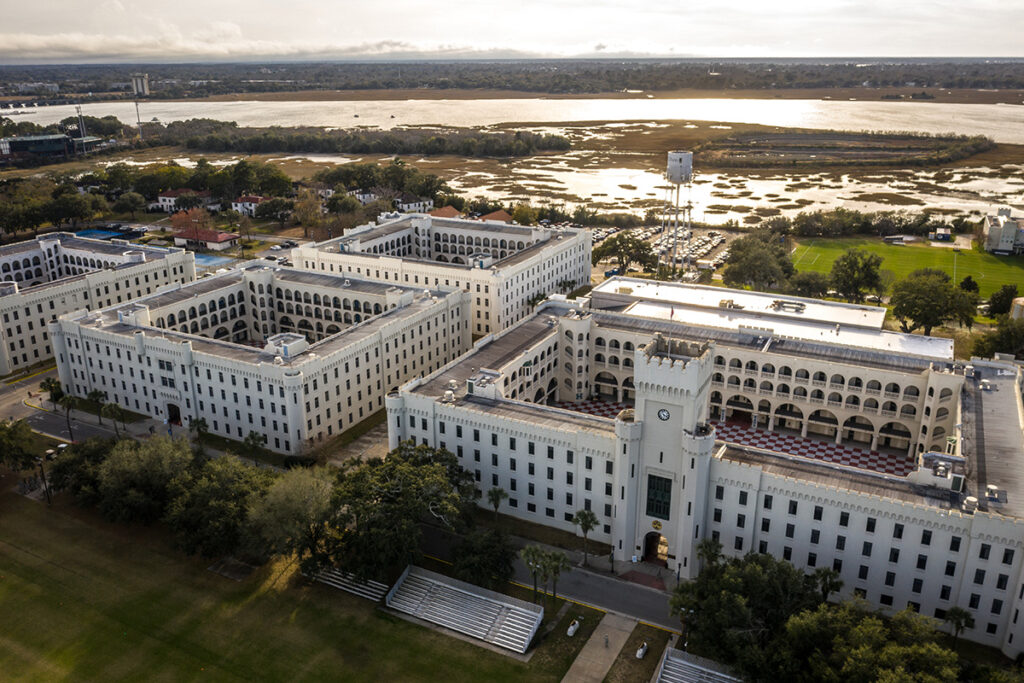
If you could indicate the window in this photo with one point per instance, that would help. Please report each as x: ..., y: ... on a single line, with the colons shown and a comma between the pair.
x: 716, y: 515
x: 885, y: 600
x: 897, y: 531
x: 741, y: 521
x: 890, y: 578
x: 950, y: 568
x: 997, y: 606
x: 766, y: 525
x: 790, y: 529
x: 768, y: 502
x: 844, y: 519
x: 837, y: 565
x: 840, y: 542
x: 926, y: 537
x: 792, y: 507
x: 866, y: 550
x: 862, y: 573
x: 954, y: 544
x: 817, y: 513
x: 815, y: 536
x: 894, y: 554
x: 974, y: 601
x: 985, y: 551
x: 871, y: 525
x: 719, y: 493
x: 738, y: 543
x: 1007, y: 556
x: 659, y: 496
x: 979, y: 576
x: 991, y: 629
x: 916, y: 586
x: 743, y: 497
x: 1001, y: 582
x: 945, y: 592
x: 922, y: 561
x: 812, y: 559
x: 787, y: 553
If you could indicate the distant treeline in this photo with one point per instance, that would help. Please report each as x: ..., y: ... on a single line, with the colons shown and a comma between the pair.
x: 844, y: 222
x: 219, y: 136
x: 171, y: 81
x: 801, y: 148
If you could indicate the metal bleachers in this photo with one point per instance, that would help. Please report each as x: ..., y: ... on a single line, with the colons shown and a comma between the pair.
x: 467, y: 609
x: 371, y: 590
x: 678, y: 666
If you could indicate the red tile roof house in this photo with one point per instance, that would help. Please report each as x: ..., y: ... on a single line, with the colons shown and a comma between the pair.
x: 210, y: 240
x: 446, y: 211
x: 246, y: 204
x: 501, y: 215
x: 168, y: 201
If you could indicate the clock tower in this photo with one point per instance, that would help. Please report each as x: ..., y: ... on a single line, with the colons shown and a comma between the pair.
x: 663, y: 469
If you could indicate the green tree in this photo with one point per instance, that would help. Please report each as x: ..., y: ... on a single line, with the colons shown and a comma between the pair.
x: 307, y: 210
x: 810, y: 284
x: 735, y: 608
x: 758, y: 260
x: 494, y: 497
x: 524, y: 214
x: 52, y: 386
x: 586, y: 520
x: 533, y: 557
x: 342, y: 203
x: 627, y: 249
x: 1001, y: 300
x: 1008, y: 337
x: 68, y: 207
x: 927, y: 298
x: 276, y: 209
x: 68, y: 403
x: 188, y: 200
x: 958, y: 619
x: 198, y: 427
x: 485, y: 557
x: 15, y: 445
x: 294, y: 516
x: 115, y: 413
x: 97, y: 398
x: 855, y: 273
x: 253, y: 446
x: 134, y: 480
x: 208, y: 511
x: 851, y: 642
x: 130, y: 203
x: 555, y: 562
x: 76, y: 469
x: 828, y: 582
x: 969, y: 285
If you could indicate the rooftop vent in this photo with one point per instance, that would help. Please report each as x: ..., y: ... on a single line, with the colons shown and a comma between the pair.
x: 449, y: 397
x: 970, y: 504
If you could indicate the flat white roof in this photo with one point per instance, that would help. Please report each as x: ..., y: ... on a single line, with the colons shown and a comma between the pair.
x: 818, y: 321
x: 752, y: 303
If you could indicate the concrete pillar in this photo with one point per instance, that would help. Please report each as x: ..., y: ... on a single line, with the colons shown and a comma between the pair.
x: 803, y: 429
x: 874, y: 441
x: 839, y: 436
x: 771, y: 423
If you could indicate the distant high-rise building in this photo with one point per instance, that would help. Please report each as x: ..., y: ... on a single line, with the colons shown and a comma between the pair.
x: 140, y: 84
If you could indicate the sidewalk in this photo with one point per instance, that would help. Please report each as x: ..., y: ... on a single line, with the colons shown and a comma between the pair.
x: 602, y: 649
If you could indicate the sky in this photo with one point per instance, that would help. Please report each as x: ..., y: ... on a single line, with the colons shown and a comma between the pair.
x: 57, y: 31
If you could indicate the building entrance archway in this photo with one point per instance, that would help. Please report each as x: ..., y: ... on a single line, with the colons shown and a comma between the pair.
x: 173, y: 414
x: 656, y: 549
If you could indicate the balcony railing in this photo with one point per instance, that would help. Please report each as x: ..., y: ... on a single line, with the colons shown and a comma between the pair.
x: 817, y: 383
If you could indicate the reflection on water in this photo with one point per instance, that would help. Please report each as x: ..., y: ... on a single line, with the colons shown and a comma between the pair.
x: 1001, y: 122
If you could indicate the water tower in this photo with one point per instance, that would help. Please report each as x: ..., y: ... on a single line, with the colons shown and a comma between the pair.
x: 679, y: 172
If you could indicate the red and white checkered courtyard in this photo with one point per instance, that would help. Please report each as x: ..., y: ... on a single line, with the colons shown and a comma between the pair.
x: 744, y: 435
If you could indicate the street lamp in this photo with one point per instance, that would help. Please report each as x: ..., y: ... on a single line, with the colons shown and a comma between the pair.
x: 42, y: 473
x: 955, y: 252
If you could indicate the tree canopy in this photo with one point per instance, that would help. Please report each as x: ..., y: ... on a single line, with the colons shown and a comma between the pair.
x: 759, y: 260
x: 927, y: 298
x: 855, y: 273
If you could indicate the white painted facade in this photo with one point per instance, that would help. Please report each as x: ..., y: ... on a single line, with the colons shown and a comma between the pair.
x: 501, y: 266
x: 296, y: 357
x: 659, y: 482
x: 59, y: 272
x: 1004, y: 234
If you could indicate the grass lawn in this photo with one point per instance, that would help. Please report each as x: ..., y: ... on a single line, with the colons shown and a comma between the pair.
x: 542, y: 534
x: 627, y: 667
x: 96, y: 601
x: 990, y: 272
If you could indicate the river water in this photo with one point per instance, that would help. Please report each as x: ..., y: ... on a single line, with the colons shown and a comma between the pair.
x: 1002, y: 122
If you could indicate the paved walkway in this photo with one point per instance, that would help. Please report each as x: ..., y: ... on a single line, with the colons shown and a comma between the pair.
x: 597, y: 656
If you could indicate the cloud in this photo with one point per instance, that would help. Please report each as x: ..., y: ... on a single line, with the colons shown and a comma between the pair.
x: 600, y: 47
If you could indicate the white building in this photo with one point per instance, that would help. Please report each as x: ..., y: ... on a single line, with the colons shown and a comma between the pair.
x: 53, y: 274
x: 410, y: 203
x: 210, y: 240
x: 246, y: 204
x: 906, y: 492
x: 168, y: 201
x: 1004, y: 234
x: 297, y: 357
x: 503, y: 267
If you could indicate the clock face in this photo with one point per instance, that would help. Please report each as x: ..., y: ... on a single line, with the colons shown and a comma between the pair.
x: 663, y: 414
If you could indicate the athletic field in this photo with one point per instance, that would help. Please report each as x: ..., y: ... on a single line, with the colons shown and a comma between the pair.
x: 990, y: 272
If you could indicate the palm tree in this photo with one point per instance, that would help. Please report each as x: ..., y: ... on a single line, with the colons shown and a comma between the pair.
x: 533, y: 558
x: 200, y: 428
x: 555, y: 562
x: 253, y: 445
x: 959, y: 619
x: 114, y: 412
x: 709, y: 551
x: 494, y: 497
x: 828, y: 582
x: 52, y: 386
x: 586, y: 520
x: 99, y: 398
x: 68, y: 403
